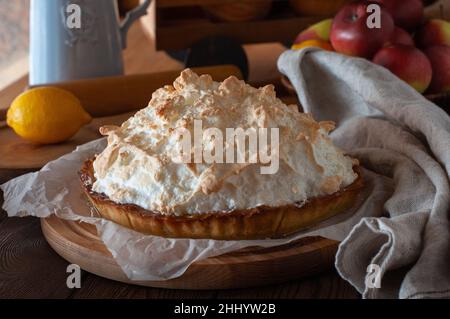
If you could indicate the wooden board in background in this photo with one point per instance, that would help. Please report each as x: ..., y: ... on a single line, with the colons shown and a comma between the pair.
x: 19, y: 154
x: 78, y: 243
x: 118, y: 94
x: 100, y: 97
x: 167, y: 18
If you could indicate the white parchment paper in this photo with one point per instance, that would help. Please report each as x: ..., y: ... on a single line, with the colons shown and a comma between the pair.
x: 56, y: 189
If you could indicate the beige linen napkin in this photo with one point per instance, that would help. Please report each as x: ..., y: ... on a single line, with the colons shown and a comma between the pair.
x: 394, y: 132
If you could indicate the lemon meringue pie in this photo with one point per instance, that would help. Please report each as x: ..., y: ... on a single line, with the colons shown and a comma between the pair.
x: 137, y: 182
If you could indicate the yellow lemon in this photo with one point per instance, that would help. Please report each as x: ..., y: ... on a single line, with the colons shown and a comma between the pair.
x: 46, y: 115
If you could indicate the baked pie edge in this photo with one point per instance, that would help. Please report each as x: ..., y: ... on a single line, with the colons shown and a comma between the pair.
x: 255, y: 223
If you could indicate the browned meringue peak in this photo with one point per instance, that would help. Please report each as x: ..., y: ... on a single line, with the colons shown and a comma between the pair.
x: 138, y: 166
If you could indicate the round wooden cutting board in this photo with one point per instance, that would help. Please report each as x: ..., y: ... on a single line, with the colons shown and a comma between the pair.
x: 78, y: 243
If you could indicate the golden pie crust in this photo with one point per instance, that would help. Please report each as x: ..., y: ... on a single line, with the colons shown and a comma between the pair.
x: 256, y: 223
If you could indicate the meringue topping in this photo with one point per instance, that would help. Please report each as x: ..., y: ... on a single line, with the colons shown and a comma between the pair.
x: 138, y: 165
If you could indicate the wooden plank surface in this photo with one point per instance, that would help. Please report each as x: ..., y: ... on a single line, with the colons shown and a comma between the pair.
x: 29, y: 268
x: 79, y: 244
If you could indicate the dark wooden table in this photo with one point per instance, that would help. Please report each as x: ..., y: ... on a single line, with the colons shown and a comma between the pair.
x: 29, y: 268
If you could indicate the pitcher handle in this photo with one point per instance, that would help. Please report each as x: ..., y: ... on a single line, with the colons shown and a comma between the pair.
x: 130, y: 18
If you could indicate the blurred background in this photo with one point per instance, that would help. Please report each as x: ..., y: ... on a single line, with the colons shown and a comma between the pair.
x: 14, y: 23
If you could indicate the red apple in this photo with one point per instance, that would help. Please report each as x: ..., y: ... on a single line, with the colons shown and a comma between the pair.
x: 407, y: 14
x: 400, y: 36
x: 408, y: 63
x: 318, y: 31
x: 434, y: 32
x: 439, y: 57
x: 350, y: 34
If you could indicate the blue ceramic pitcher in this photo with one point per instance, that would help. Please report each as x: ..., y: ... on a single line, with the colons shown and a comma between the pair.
x: 76, y: 39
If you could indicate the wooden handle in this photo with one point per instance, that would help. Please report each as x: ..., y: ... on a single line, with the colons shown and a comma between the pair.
x: 114, y: 95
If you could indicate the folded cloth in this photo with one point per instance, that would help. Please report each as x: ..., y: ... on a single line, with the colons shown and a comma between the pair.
x: 395, y: 132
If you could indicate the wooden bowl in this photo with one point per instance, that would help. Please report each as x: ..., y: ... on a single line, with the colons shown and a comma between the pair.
x: 317, y: 7
x: 240, y: 11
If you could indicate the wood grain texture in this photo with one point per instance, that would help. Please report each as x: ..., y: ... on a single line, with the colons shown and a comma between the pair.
x: 27, y: 264
x: 29, y: 268
x: 79, y: 244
